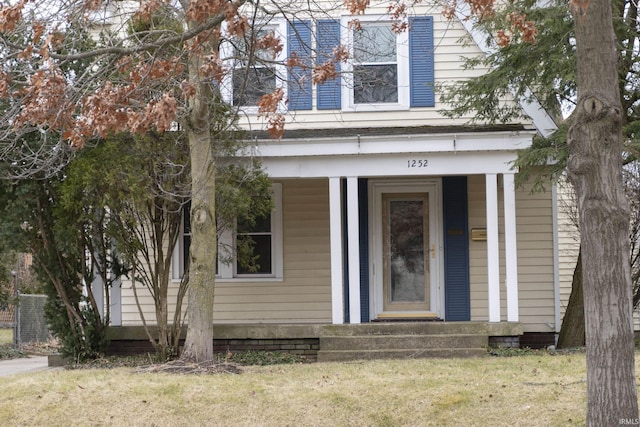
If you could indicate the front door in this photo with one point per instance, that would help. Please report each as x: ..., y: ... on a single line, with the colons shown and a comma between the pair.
x: 407, y: 250
x: 405, y: 230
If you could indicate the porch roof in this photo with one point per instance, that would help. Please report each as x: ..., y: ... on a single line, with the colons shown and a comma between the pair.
x: 307, y: 134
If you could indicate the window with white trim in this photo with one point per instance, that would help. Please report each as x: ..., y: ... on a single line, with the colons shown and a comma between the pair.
x: 375, y: 64
x: 267, y: 251
x: 386, y: 71
x: 377, y: 77
x: 255, y: 71
x: 259, y: 237
x: 185, y: 238
x: 180, y: 256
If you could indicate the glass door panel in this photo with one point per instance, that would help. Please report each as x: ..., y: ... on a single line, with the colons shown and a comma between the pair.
x: 406, y: 252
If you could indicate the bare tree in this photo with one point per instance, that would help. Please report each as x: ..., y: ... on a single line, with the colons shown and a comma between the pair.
x: 572, y: 333
x: 145, y: 183
x: 631, y: 176
x: 595, y: 170
x: 138, y: 74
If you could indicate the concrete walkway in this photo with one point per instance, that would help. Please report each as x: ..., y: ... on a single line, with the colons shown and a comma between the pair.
x: 24, y: 365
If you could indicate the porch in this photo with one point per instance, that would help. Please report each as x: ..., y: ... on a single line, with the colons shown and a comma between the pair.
x: 419, y: 224
x: 360, y: 236
x: 326, y: 342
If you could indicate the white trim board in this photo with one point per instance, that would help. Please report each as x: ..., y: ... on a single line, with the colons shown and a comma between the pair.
x: 389, y: 144
x: 376, y: 190
x: 437, y: 164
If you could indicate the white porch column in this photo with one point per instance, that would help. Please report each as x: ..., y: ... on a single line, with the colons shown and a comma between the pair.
x: 493, y: 254
x: 97, y: 288
x: 335, y: 233
x: 116, y: 302
x: 353, y: 251
x: 510, y: 247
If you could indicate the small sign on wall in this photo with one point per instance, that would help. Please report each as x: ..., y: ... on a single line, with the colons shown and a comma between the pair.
x: 479, y: 234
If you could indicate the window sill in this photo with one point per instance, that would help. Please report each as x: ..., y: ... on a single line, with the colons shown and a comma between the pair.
x: 375, y: 107
x: 248, y: 279
x: 242, y: 280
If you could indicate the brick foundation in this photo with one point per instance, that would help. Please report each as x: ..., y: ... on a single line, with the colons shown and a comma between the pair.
x: 537, y: 340
x: 532, y: 340
x: 129, y: 347
x: 504, y: 342
x: 303, y: 346
x: 303, y: 340
x: 306, y: 347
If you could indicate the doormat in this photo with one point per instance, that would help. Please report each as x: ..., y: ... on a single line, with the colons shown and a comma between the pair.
x: 407, y: 319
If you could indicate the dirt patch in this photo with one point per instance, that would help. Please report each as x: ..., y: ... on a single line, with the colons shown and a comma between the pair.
x: 182, y: 367
x: 42, y: 348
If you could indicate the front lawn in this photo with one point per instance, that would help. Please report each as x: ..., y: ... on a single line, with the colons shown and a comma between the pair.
x: 533, y: 389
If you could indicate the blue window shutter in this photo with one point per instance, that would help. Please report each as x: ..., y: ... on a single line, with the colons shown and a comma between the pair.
x: 328, y: 38
x: 456, y: 249
x: 421, y: 71
x: 299, y: 78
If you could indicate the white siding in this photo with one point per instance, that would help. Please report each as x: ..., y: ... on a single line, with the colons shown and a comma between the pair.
x: 568, y: 241
x: 304, y: 296
x: 569, y: 245
x: 535, y: 257
x: 451, y: 42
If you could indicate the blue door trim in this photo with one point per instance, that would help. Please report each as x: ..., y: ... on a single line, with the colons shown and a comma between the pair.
x: 363, y: 205
x: 456, y: 248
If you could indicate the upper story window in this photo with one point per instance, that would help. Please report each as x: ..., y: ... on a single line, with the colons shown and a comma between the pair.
x: 375, y: 64
x: 386, y: 70
x: 255, y: 70
x: 377, y: 77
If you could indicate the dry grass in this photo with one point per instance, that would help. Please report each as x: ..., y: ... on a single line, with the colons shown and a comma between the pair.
x: 6, y: 336
x: 533, y: 390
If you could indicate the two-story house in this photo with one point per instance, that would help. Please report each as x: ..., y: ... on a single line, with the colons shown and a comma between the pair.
x: 385, y: 211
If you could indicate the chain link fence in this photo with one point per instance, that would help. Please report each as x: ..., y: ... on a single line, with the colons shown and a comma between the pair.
x: 31, y: 325
x: 26, y: 319
x: 7, y: 323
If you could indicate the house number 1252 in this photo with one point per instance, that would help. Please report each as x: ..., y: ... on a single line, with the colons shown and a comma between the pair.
x: 415, y: 163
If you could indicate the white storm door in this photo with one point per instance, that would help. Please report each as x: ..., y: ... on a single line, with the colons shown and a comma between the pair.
x: 406, y: 249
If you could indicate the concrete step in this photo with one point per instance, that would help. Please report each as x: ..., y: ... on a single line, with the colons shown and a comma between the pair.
x: 417, y: 353
x: 401, y: 342
x: 406, y: 328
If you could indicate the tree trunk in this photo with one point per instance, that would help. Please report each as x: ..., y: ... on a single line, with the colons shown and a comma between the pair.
x: 595, y: 170
x: 572, y: 330
x: 198, y: 345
